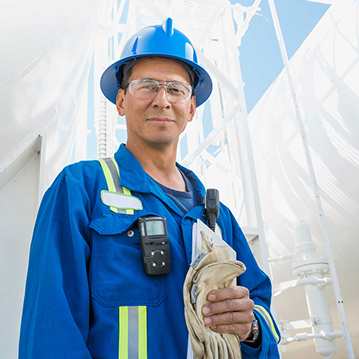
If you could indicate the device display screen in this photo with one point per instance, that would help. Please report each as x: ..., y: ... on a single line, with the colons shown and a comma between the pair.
x: 155, y: 228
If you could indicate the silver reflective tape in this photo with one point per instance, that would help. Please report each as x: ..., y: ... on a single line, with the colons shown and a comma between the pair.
x: 114, y: 174
x: 266, y: 316
x: 132, y: 332
x: 119, y: 210
x: 119, y: 200
x: 260, y: 310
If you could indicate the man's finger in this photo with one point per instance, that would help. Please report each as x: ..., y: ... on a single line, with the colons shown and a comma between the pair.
x: 229, y: 305
x: 228, y: 293
x: 241, y: 331
x: 231, y: 318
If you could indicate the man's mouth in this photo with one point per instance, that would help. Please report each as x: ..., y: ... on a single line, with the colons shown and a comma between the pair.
x: 162, y: 120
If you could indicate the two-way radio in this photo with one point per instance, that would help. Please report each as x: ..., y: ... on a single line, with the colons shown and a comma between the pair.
x: 211, y: 207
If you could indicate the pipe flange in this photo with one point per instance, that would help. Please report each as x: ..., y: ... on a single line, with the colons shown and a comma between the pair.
x: 311, y: 265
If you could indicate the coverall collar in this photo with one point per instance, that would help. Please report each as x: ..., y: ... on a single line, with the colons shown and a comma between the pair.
x: 133, y: 177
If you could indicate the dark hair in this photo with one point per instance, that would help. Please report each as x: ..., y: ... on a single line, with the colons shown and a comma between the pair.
x: 126, y: 71
x: 125, y: 79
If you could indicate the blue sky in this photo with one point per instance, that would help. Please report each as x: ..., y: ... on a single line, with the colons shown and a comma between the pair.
x: 260, y: 56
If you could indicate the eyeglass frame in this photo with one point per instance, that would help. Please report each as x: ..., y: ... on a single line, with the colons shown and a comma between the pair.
x: 191, y: 92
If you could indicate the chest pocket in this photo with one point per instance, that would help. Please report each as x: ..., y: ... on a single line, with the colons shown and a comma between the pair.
x: 118, y: 277
x: 117, y: 274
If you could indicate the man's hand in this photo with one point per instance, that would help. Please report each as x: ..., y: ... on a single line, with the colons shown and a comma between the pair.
x: 230, y: 311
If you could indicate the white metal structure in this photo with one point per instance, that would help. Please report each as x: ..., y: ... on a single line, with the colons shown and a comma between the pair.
x: 314, y: 274
x: 321, y: 81
x: 312, y: 291
x: 43, y: 99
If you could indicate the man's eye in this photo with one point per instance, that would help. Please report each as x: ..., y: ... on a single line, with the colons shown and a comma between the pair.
x: 176, y: 90
x: 148, y: 86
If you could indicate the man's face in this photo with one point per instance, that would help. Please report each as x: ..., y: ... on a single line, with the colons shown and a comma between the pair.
x: 157, y: 122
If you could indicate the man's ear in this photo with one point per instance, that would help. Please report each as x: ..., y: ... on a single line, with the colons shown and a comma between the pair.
x: 120, y: 102
x: 192, y: 109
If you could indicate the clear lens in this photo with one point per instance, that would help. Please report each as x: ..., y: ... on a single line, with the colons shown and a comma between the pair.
x: 146, y: 89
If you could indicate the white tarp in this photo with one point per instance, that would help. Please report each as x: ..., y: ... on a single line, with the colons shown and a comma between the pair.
x: 326, y: 72
x: 46, y: 52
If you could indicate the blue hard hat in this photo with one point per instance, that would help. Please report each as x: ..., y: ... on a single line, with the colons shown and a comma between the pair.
x: 159, y: 40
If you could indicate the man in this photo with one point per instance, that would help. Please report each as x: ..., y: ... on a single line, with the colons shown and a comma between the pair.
x: 87, y: 294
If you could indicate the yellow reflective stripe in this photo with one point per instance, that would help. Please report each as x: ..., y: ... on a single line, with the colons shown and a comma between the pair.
x: 142, y: 332
x: 268, y: 320
x: 123, y: 333
x: 128, y: 193
x: 109, y: 179
x: 125, y: 190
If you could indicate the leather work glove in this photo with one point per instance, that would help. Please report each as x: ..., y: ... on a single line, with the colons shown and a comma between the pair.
x: 211, y: 269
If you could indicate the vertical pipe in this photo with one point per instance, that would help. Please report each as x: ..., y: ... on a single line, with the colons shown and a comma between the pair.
x: 101, y: 59
x: 320, y: 315
x: 244, y: 134
x: 323, y: 225
x: 253, y: 205
x: 250, y: 185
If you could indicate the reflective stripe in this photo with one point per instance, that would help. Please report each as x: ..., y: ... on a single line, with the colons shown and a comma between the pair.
x: 116, y: 166
x: 115, y: 174
x: 112, y: 175
x: 108, y: 176
x: 128, y: 193
x: 123, y: 333
x: 119, y: 200
x: 132, y: 333
x: 142, y: 332
x: 267, y: 317
x: 107, y: 165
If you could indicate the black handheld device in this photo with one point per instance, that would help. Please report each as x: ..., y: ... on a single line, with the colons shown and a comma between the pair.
x: 211, y: 204
x: 154, y: 244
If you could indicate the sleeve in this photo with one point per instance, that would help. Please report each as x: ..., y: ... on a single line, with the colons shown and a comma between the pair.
x: 260, y: 289
x: 55, y: 319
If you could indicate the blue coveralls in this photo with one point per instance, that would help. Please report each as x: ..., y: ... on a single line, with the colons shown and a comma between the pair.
x: 87, y: 295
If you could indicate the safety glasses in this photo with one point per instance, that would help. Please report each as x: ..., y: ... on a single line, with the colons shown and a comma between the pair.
x: 147, y: 89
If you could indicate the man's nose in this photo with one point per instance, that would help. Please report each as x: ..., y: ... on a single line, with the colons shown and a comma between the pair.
x: 161, y: 98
